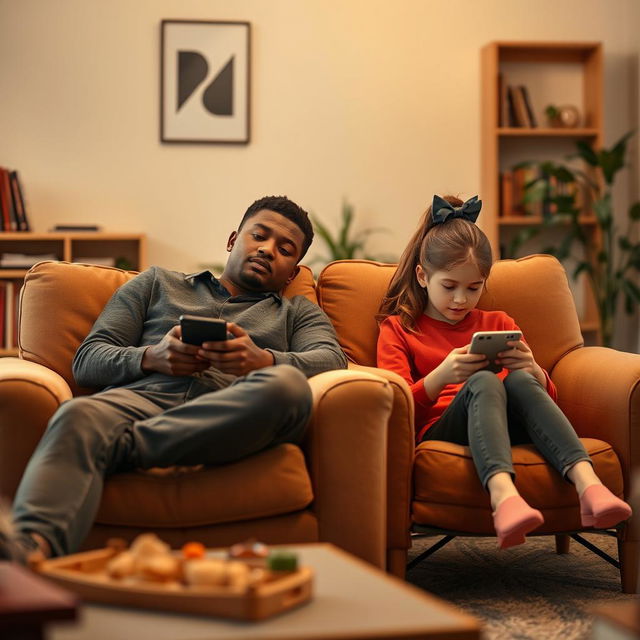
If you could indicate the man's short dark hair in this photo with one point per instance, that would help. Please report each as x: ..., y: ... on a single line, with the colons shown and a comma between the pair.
x: 288, y: 209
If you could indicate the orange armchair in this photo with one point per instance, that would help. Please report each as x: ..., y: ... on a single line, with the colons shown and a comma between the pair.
x: 436, y: 489
x: 332, y: 489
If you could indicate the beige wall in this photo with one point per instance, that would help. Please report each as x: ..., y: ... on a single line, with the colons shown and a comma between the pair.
x: 374, y: 100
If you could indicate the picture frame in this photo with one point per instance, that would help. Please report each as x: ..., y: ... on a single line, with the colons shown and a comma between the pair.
x: 205, y: 81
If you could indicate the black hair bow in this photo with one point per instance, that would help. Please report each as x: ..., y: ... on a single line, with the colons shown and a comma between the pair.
x: 441, y: 210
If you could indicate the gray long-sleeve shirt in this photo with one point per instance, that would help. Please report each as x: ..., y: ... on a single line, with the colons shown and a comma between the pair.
x: 143, y: 310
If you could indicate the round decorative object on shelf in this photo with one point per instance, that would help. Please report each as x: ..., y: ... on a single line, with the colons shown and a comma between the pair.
x: 566, y: 116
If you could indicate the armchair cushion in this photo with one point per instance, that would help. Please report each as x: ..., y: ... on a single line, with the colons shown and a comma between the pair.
x: 464, y: 505
x: 198, y: 496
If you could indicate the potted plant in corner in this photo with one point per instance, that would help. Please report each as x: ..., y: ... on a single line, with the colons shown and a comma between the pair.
x: 611, y: 257
x: 345, y: 244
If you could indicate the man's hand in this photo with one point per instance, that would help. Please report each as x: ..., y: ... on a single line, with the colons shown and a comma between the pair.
x: 173, y: 357
x: 239, y: 355
x: 520, y: 356
x: 457, y: 367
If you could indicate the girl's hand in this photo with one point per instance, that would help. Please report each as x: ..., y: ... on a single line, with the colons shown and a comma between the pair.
x: 457, y: 367
x: 520, y: 356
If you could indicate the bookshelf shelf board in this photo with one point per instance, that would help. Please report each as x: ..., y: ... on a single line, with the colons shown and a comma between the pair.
x: 546, y: 132
x: 549, y: 52
x: 61, y: 235
x: 519, y: 220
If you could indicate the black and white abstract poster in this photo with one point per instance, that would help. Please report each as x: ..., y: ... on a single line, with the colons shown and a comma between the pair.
x: 205, y: 79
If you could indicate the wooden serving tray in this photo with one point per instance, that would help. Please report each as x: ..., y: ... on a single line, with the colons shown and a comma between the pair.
x: 84, y: 574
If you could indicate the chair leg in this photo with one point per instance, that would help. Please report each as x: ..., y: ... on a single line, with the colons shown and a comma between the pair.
x: 397, y: 562
x: 562, y: 543
x: 629, y: 555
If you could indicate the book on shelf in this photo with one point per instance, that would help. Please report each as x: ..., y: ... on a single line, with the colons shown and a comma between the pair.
x: 529, y: 107
x: 519, y: 107
x: 513, y: 186
x: 13, y: 210
x: 5, y: 203
x: 19, y: 202
x: 23, y: 260
x: 506, y: 194
x: 515, y: 107
x: 510, y: 109
x: 76, y: 227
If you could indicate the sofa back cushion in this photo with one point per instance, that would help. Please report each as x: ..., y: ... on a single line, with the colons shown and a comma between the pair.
x: 60, y: 301
x: 533, y: 290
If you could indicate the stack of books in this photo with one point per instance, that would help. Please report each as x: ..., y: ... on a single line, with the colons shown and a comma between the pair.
x: 13, y: 210
x: 512, y: 191
x: 515, y: 108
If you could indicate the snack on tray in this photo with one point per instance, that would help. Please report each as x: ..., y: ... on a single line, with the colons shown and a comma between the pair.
x: 282, y: 561
x: 193, y: 550
x: 152, y: 560
x: 249, y: 550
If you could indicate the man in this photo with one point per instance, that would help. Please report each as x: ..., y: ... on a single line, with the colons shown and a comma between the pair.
x: 167, y: 402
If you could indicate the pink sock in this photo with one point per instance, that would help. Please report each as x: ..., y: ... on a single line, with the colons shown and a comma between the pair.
x: 600, y: 509
x: 513, y: 519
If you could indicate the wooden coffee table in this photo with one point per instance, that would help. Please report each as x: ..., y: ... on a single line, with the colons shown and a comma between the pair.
x: 351, y: 600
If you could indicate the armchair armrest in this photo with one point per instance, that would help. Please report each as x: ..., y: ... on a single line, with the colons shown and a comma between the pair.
x: 29, y: 395
x: 400, y: 457
x: 346, y: 449
x: 599, y: 391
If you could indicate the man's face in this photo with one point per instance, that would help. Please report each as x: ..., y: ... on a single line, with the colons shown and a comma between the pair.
x: 264, y: 252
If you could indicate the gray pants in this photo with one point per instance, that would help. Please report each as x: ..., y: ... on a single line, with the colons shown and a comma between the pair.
x: 178, y: 422
x: 490, y: 415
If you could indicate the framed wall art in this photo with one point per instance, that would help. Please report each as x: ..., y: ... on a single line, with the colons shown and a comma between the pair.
x: 205, y: 81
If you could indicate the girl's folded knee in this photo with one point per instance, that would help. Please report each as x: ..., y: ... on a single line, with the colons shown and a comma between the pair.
x: 486, y: 382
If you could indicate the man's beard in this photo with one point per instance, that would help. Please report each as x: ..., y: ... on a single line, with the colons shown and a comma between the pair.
x: 251, y: 282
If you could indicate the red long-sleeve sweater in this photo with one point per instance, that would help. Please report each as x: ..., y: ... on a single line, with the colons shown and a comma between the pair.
x: 414, y: 355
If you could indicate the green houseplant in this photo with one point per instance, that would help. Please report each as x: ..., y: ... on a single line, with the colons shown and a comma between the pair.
x: 345, y: 244
x: 611, y: 257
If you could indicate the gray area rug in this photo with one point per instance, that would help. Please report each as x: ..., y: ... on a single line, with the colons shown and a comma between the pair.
x: 526, y: 592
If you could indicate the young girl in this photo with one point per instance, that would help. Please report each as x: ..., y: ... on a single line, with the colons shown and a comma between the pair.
x: 430, y: 315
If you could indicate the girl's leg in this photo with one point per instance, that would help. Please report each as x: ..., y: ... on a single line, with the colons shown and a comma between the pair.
x: 530, y: 406
x: 477, y: 418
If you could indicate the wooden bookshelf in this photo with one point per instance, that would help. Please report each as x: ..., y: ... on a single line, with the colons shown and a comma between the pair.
x: 554, y: 73
x: 70, y: 247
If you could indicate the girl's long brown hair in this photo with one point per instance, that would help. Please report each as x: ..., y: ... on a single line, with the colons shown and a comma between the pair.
x: 436, y: 247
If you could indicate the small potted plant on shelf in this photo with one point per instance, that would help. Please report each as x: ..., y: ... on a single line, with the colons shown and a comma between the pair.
x: 610, y: 258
